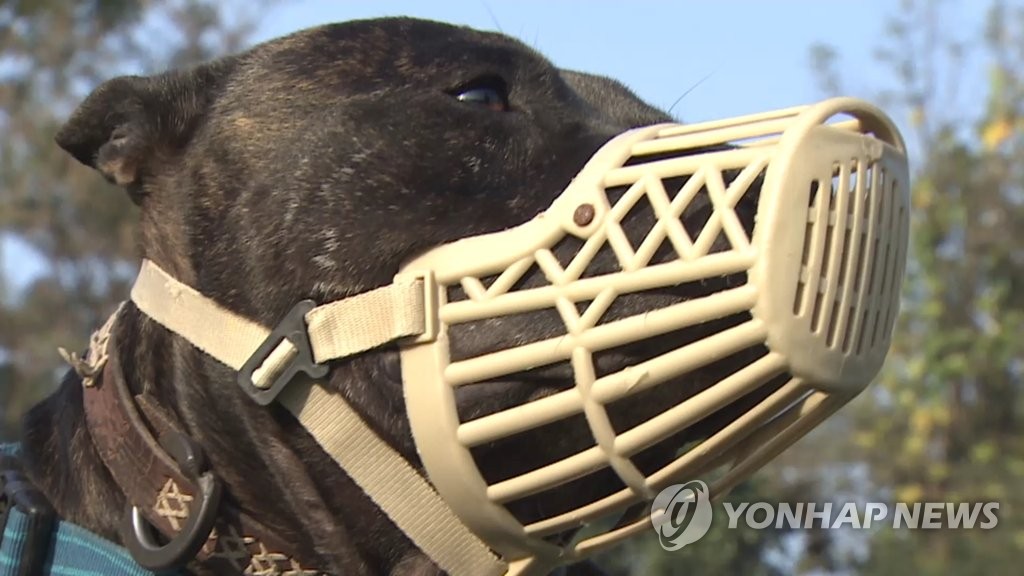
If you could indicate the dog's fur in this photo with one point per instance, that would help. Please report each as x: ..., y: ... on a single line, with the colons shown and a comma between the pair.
x: 311, y: 167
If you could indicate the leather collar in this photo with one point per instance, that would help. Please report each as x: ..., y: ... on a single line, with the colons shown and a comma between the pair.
x: 167, y: 486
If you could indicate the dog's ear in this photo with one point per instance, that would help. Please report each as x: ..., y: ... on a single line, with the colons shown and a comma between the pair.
x: 127, y: 121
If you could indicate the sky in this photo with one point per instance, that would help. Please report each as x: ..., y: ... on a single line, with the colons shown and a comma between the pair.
x: 728, y: 57
x: 733, y: 56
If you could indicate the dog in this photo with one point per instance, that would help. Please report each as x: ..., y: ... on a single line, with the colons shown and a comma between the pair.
x: 313, y: 166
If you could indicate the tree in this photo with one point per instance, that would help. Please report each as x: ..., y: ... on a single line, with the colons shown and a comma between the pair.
x: 71, y: 224
x: 944, y: 422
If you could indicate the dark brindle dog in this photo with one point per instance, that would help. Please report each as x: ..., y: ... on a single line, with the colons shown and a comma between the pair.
x: 311, y: 167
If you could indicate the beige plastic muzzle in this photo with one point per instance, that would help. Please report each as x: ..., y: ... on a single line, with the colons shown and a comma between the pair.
x: 823, y: 272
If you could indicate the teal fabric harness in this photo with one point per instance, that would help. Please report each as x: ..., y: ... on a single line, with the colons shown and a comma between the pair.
x: 33, y: 542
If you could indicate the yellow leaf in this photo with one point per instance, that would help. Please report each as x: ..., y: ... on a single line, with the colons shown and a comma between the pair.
x: 1016, y: 467
x: 910, y: 493
x: 916, y: 116
x: 914, y: 445
x: 996, y: 132
x: 993, y: 491
x: 938, y: 471
x: 941, y: 414
x: 921, y: 421
x: 865, y: 439
x: 907, y: 398
x: 917, y: 367
x: 983, y: 452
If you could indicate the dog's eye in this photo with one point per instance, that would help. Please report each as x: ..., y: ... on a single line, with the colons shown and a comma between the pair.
x: 489, y: 92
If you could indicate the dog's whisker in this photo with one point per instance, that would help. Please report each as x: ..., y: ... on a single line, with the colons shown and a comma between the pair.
x: 494, y: 17
x: 690, y: 89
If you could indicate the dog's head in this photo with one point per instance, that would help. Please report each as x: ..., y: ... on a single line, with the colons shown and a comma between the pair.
x: 314, y: 166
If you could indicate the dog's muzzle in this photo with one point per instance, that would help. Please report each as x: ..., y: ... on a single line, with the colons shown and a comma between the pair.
x: 823, y: 271
x: 816, y: 279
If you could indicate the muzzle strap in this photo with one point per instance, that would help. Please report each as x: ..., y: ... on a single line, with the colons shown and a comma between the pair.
x: 368, y: 320
x: 338, y: 329
x: 390, y: 481
x: 335, y: 330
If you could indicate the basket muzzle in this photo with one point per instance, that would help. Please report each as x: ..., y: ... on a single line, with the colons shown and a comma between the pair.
x: 821, y: 270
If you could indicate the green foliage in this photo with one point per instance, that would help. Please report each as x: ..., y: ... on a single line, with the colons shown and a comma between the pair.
x: 944, y: 421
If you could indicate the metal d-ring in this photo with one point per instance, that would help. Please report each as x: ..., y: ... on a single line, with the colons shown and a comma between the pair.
x: 141, y: 538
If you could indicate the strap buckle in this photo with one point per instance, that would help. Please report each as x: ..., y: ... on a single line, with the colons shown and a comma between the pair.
x: 293, y: 329
x: 17, y: 493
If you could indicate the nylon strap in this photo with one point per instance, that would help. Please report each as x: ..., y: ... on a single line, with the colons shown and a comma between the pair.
x: 226, y: 336
x: 365, y: 321
x: 344, y: 327
x: 336, y: 330
x: 392, y: 483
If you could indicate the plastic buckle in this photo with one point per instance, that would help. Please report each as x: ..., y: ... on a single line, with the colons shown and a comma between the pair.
x: 139, y: 535
x: 293, y: 329
x: 19, y: 494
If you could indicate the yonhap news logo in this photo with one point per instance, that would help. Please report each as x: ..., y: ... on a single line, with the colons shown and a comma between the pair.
x: 681, y: 515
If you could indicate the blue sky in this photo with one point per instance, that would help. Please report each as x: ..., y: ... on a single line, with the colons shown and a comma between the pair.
x: 734, y: 56
x: 752, y: 55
